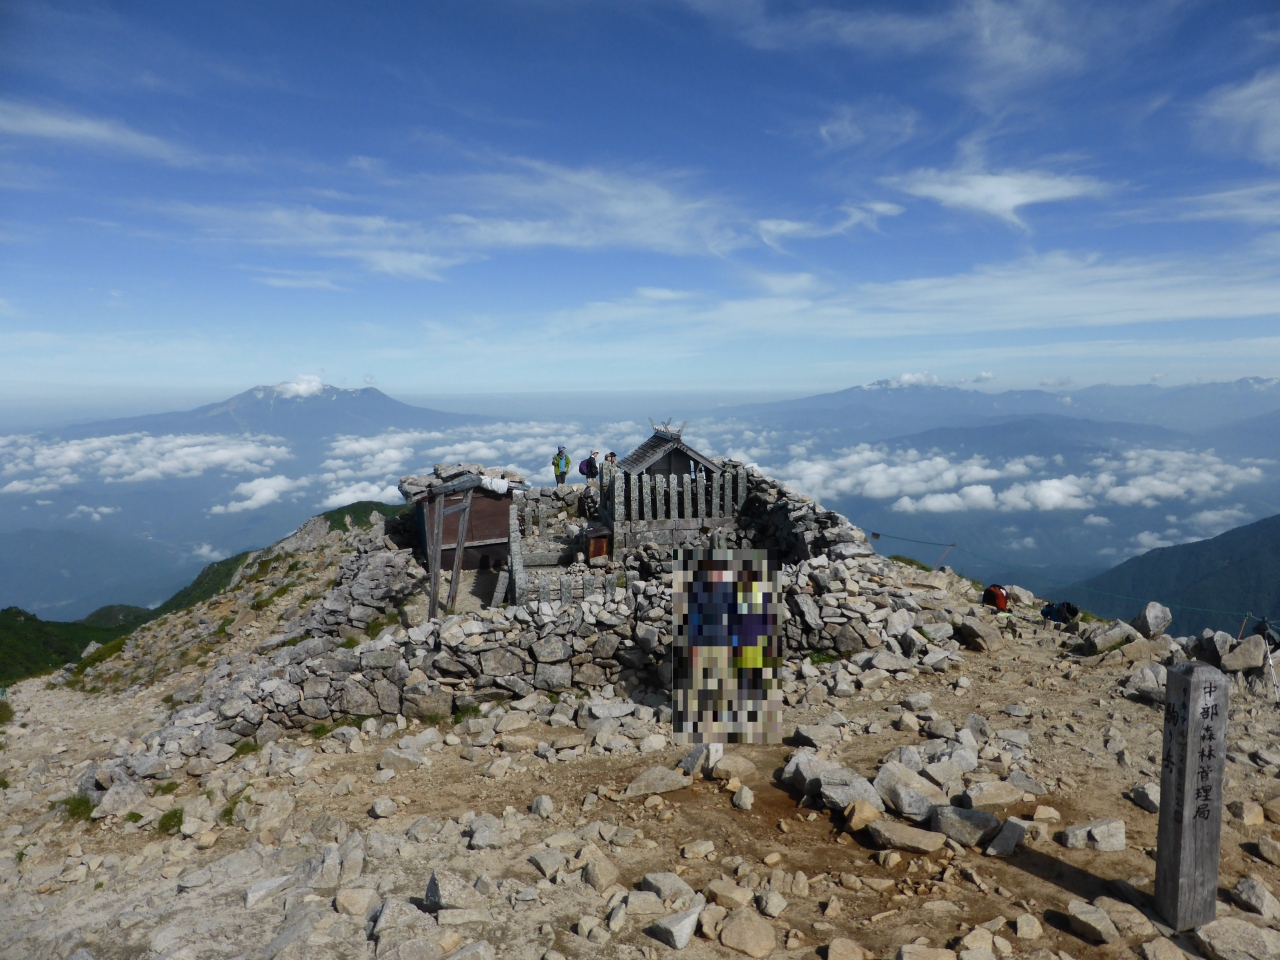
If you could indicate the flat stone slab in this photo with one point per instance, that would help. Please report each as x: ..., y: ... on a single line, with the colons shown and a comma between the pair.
x: 899, y: 836
x: 996, y: 793
x: 656, y: 780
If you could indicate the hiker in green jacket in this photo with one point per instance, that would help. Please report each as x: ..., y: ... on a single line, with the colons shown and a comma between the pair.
x: 560, y: 465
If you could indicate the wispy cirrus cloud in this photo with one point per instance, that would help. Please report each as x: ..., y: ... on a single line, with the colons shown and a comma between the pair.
x: 523, y: 204
x: 997, y: 194
x: 62, y: 126
x: 867, y: 215
x: 996, y: 44
x: 1245, y: 116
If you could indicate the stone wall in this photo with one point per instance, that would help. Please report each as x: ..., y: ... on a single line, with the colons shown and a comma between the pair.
x: 586, y: 631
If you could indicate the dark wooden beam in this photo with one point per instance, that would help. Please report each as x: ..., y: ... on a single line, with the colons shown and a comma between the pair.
x: 459, y: 550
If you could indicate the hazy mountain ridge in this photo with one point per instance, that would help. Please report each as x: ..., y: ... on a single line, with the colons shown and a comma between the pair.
x: 1237, y: 572
x: 1035, y: 490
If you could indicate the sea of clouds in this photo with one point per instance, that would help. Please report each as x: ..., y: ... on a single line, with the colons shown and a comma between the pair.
x: 264, y: 470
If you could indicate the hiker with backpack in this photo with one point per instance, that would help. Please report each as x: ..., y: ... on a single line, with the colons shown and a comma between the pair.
x: 588, y: 467
x: 560, y: 465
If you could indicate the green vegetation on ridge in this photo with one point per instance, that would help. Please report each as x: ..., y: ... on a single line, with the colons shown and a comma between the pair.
x: 359, y: 513
x: 30, y: 646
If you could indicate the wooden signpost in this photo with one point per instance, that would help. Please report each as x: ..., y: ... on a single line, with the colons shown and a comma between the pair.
x: 1190, y: 832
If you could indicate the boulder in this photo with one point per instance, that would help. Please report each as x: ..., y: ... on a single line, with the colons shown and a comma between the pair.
x: 677, y: 929
x: 747, y: 932
x: 1153, y: 621
x: 969, y: 828
x: 1249, y: 655
x: 1232, y: 939
x: 1091, y: 923
x: 979, y: 635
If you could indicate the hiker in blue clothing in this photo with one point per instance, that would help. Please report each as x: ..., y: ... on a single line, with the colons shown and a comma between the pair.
x: 560, y: 465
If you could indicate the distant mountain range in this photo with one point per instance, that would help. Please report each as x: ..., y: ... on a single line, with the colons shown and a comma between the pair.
x: 1036, y: 487
x: 1211, y: 583
x: 890, y: 408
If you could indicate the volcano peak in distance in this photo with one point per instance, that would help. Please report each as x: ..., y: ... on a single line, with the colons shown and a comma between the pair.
x: 300, y: 409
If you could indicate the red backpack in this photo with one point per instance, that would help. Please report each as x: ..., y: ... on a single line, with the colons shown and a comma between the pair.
x: 996, y: 596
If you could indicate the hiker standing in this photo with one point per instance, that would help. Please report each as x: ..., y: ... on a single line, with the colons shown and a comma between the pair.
x: 588, y: 467
x: 560, y: 465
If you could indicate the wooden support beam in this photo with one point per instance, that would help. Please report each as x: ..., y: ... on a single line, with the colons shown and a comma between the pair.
x: 437, y: 528
x: 459, y: 550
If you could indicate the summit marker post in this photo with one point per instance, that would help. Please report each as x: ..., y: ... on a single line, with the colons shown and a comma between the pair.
x: 1189, y: 837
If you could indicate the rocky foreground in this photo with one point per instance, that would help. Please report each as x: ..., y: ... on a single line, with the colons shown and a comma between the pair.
x: 237, y: 782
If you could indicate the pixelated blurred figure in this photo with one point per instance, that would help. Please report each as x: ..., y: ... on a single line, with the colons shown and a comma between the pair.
x: 727, y: 650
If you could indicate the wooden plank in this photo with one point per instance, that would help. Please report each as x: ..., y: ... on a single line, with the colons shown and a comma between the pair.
x: 1189, y: 836
x: 458, y: 551
x: 437, y: 528
x: 646, y: 493
x: 717, y: 507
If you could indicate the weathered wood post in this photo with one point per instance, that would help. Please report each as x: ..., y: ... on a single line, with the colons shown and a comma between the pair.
x: 1190, y: 831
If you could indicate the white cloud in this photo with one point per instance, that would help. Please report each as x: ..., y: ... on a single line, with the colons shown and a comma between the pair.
x: 1149, y: 540
x: 1054, y: 383
x: 260, y: 492
x: 521, y: 203
x: 93, y: 513
x: 306, y: 385
x: 939, y: 483
x: 984, y: 377
x: 1256, y: 204
x: 1246, y: 116
x: 1026, y: 543
x: 208, y: 553
x: 773, y: 232
x: 1000, y: 195
x: 1213, y: 522
x: 38, y: 464
x: 364, y: 490
x: 1155, y: 476
x: 26, y: 120
x: 876, y: 125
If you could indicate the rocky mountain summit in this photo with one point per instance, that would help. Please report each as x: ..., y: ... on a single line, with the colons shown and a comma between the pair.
x: 305, y: 766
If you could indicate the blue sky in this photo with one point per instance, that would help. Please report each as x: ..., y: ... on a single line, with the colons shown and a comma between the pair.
x: 485, y: 197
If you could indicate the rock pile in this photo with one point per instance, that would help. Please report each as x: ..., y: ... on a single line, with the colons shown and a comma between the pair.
x: 273, y: 773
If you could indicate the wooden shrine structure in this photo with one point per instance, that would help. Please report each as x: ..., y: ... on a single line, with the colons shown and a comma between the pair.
x: 666, y: 492
x: 467, y: 523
